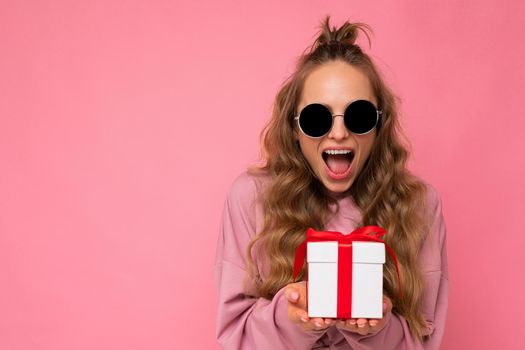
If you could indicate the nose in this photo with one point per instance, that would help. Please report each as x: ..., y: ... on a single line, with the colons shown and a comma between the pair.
x: 339, y: 130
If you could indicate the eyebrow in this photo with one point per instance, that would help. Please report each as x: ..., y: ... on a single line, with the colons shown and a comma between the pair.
x: 330, y: 108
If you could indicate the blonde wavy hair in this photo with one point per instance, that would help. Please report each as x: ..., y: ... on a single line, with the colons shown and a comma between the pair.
x: 385, y: 191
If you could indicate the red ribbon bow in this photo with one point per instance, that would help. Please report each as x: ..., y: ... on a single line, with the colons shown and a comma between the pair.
x: 344, y: 265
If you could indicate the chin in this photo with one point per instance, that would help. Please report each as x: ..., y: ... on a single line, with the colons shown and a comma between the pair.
x: 337, y: 188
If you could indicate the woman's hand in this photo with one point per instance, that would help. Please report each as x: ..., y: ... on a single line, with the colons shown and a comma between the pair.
x: 295, y: 293
x: 364, y: 326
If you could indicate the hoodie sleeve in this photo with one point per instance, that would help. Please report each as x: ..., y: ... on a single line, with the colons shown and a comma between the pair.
x: 433, y: 259
x: 245, y: 321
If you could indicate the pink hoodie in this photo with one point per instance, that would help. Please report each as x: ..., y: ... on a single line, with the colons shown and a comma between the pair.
x: 247, y: 322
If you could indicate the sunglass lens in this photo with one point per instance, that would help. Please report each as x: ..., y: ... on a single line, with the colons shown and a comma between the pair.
x: 361, y: 116
x: 315, y: 120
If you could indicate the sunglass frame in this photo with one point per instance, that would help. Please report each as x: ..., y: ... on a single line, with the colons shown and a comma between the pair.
x: 378, y: 114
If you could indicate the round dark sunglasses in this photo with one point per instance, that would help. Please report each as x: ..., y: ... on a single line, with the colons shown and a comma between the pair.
x: 316, y: 120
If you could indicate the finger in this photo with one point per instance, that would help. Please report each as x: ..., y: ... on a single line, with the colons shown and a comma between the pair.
x: 373, y: 323
x: 319, y: 323
x: 351, y: 322
x: 346, y: 325
x: 341, y: 323
x: 303, y: 316
x: 361, y: 322
x: 362, y: 326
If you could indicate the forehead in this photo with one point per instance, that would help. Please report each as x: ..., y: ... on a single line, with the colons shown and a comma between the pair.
x: 335, y: 84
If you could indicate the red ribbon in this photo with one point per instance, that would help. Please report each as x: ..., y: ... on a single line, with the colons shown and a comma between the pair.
x: 344, y: 265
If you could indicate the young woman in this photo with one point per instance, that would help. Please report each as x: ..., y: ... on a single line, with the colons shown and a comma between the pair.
x: 333, y: 160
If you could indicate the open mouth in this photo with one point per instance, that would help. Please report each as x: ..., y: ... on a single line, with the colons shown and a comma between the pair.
x: 338, y: 161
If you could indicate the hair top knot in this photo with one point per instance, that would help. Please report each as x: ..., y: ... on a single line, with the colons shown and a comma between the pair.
x: 345, y: 35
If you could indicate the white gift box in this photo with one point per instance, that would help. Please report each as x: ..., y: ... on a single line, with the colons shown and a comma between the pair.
x: 367, y: 279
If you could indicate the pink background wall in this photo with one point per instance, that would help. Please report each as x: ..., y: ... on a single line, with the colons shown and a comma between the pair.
x: 122, y: 124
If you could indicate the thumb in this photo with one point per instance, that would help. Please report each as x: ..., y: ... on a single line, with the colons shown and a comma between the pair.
x: 387, y: 304
x: 292, y: 295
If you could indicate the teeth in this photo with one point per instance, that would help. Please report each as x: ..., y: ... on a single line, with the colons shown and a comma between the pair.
x: 338, y: 151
